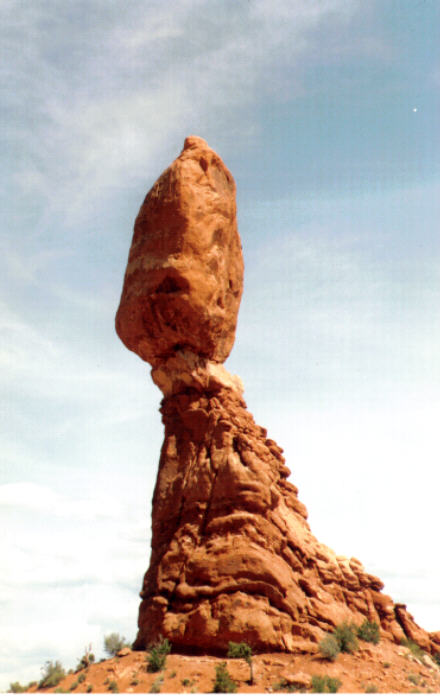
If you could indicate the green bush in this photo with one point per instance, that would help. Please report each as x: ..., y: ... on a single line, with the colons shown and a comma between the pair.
x: 73, y: 686
x: 113, y: 687
x: 436, y: 658
x: 113, y: 643
x: 329, y: 647
x: 369, y: 631
x: 86, y: 660
x: 413, y: 647
x: 223, y: 683
x: 371, y: 689
x: 16, y: 688
x: 345, y: 634
x: 81, y: 678
x: 156, y: 686
x: 325, y: 684
x: 158, y: 656
x: 284, y: 685
x: 53, y: 672
x: 244, y: 652
x: 89, y: 688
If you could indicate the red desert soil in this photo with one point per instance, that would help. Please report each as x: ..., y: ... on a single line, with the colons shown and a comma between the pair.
x: 382, y: 668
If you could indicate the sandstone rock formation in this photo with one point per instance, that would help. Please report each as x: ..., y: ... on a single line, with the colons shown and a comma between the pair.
x: 184, y: 276
x: 233, y: 557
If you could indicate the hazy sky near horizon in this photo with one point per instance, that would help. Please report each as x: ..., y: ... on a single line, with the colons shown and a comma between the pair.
x: 326, y: 112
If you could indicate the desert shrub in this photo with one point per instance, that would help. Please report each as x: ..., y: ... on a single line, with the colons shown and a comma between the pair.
x: 73, y: 686
x: 414, y: 678
x: 371, y: 689
x: 113, y: 687
x: 113, y: 643
x: 59, y: 690
x: 329, y: 647
x: 284, y: 685
x: 223, y: 683
x: 53, y: 672
x: 89, y: 688
x: 16, y: 688
x: 186, y: 682
x: 158, y: 656
x: 369, y: 631
x: 413, y: 647
x: 240, y: 650
x: 325, y: 684
x: 244, y: 652
x: 436, y: 658
x: 156, y: 686
x: 87, y: 659
x: 345, y: 634
x: 81, y: 678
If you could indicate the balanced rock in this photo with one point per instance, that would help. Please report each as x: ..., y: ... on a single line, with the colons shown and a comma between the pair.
x: 184, y: 276
x: 233, y: 557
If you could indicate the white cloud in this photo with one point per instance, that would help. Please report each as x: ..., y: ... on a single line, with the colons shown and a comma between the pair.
x: 66, y: 559
x: 37, y: 497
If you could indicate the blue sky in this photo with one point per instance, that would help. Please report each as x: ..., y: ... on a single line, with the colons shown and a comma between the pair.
x: 326, y: 112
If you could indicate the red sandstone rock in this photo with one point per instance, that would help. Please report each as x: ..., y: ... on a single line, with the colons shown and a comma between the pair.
x: 184, y: 277
x: 233, y: 557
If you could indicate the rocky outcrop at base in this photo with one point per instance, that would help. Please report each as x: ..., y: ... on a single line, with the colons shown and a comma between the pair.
x: 233, y: 557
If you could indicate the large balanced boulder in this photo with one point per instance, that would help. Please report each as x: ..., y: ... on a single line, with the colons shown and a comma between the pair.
x: 184, y: 275
x: 233, y: 557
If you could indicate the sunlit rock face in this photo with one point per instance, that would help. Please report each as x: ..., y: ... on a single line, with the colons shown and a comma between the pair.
x: 184, y: 277
x: 233, y: 557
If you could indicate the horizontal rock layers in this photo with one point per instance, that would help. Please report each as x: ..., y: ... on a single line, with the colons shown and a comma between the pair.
x: 233, y: 557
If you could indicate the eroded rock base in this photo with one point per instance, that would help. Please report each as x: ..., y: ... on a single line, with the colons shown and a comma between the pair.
x: 233, y: 557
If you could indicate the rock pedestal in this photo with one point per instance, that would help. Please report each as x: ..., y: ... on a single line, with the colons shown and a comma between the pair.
x: 233, y: 557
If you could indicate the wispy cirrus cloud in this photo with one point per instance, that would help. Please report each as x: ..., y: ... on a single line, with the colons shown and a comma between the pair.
x: 113, y: 90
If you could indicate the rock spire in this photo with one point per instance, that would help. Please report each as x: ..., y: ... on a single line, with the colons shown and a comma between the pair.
x: 233, y: 557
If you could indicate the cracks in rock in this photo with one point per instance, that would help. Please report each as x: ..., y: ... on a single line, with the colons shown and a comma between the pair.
x: 176, y: 584
x: 198, y: 541
x: 253, y: 588
x: 209, y: 503
x: 397, y: 616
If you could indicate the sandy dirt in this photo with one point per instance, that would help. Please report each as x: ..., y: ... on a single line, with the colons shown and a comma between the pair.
x: 382, y: 668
